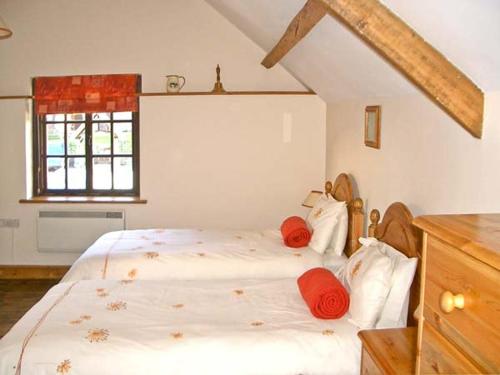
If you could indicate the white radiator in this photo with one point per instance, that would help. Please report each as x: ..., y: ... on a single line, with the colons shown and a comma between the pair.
x: 75, y: 231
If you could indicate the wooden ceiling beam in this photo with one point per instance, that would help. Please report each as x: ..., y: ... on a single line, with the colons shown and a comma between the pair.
x: 402, y: 47
x: 420, y: 62
x: 312, y: 12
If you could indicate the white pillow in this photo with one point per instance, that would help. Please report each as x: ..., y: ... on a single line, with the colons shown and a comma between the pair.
x: 321, y: 220
x: 368, y: 275
x: 339, y: 236
x: 395, y: 311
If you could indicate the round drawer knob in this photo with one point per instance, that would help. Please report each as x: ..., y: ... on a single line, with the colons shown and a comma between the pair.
x: 450, y: 301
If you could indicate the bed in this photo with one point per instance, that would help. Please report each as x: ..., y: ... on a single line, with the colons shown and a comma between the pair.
x: 256, y: 326
x: 188, y: 254
x: 398, y: 231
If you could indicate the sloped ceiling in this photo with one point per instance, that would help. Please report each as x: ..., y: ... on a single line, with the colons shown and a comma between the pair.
x: 336, y: 64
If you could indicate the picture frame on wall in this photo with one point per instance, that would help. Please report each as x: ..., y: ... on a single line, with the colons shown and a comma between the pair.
x: 372, y: 126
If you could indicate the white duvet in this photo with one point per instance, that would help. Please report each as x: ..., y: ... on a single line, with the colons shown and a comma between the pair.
x: 233, y: 327
x: 186, y: 254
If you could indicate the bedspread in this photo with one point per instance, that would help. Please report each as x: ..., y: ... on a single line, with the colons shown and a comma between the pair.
x: 234, y: 327
x: 191, y: 254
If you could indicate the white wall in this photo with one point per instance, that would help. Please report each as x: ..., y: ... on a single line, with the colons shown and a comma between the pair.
x: 205, y: 161
x: 426, y: 160
x: 151, y: 37
x: 216, y: 162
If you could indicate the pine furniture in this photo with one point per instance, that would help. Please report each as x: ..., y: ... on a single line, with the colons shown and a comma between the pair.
x: 392, y: 351
x: 388, y: 351
x: 459, y: 318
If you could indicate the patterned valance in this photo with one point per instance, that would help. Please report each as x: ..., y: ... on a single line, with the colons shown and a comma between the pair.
x: 86, y: 94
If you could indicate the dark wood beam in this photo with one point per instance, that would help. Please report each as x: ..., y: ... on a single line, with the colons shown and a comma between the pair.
x: 302, y: 23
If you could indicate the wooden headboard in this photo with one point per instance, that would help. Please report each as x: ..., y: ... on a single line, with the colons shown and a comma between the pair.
x: 397, y: 230
x: 341, y: 190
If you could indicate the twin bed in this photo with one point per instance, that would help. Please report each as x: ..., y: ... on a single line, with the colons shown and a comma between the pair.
x: 149, y: 302
x: 185, y: 254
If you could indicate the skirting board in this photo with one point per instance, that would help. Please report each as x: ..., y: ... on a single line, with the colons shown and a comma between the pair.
x: 8, y: 272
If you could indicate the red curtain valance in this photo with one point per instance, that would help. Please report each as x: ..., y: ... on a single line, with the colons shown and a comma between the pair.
x: 86, y: 94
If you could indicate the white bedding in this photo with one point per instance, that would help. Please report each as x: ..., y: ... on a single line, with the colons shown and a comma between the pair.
x: 234, y: 327
x: 191, y: 254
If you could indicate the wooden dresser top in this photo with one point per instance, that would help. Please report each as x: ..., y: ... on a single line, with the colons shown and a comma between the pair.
x: 477, y: 234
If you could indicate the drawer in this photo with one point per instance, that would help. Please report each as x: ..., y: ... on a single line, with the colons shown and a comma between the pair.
x: 439, y: 356
x: 476, y: 328
x: 368, y: 367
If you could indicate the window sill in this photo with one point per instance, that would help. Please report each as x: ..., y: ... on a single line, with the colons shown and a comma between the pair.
x: 83, y: 199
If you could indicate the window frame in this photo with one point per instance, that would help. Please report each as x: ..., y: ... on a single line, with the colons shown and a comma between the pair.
x: 40, y: 159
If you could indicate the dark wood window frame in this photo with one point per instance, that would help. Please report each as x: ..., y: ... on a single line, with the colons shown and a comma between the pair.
x: 40, y: 157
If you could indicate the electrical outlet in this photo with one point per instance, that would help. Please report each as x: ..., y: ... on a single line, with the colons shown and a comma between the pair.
x: 9, y: 223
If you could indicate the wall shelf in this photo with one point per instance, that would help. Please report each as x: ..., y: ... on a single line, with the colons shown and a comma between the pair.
x: 193, y: 93
x: 16, y: 97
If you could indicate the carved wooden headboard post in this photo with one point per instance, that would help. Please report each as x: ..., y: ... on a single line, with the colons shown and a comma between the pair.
x: 357, y: 224
x: 374, y: 219
x: 328, y: 188
x: 342, y: 190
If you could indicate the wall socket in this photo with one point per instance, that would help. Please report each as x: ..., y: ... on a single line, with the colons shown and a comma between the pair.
x: 9, y: 223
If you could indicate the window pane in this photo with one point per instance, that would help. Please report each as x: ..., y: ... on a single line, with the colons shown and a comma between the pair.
x: 101, y: 173
x: 101, y: 116
x: 76, y: 117
x: 55, y: 139
x: 76, y: 139
x: 77, y: 177
x: 122, y: 115
x: 123, y: 173
x: 122, y: 138
x: 55, y: 173
x: 101, y: 138
x: 56, y: 117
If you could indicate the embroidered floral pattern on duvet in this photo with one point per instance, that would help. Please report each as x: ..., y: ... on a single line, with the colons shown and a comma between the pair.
x: 183, y: 254
x: 107, y: 327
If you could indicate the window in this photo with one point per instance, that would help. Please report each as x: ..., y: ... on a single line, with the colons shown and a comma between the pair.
x: 86, y: 154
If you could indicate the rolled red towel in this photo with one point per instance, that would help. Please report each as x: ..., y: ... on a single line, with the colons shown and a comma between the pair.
x: 295, y: 232
x: 324, y: 293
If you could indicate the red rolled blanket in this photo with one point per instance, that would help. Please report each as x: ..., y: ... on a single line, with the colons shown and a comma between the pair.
x: 295, y: 233
x: 324, y: 293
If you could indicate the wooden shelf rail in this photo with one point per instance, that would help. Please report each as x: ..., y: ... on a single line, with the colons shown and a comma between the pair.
x: 16, y: 97
x: 192, y: 93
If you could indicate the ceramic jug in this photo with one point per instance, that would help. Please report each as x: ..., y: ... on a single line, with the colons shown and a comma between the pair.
x: 174, y: 83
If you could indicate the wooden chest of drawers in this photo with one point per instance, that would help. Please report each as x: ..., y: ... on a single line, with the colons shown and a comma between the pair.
x: 459, y: 321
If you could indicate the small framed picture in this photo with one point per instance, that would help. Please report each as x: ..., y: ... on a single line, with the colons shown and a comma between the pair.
x: 372, y: 126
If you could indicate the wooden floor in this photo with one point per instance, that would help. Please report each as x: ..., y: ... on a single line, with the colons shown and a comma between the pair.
x: 17, y: 297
